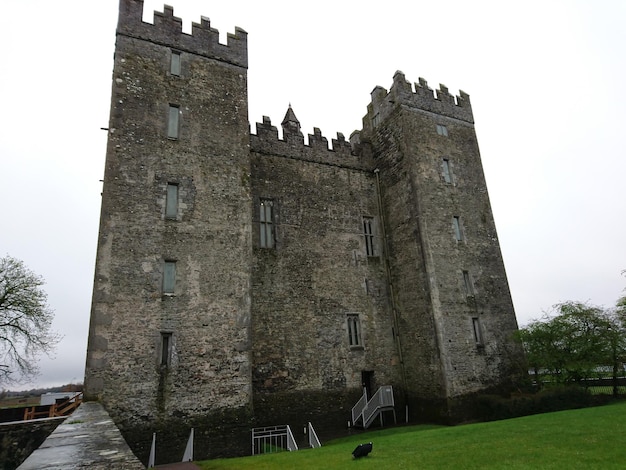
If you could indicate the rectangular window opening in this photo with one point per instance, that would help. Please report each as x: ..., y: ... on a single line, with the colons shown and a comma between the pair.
x: 442, y: 130
x: 172, y: 122
x: 354, y: 330
x: 456, y: 222
x: 368, y: 233
x: 171, y: 201
x: 469, y: 289
x: 175, y: 63
x: 447, y: 174
x: 266, y: 223
x: 169, y: 277
x: 166, y: 349
x: 478, y: 334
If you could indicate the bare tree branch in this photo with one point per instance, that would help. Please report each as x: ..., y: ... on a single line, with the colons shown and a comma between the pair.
x: 25, y: 321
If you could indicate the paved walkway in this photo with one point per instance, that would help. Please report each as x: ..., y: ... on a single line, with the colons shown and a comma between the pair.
x: 86, y: 439
x: 178, y: 466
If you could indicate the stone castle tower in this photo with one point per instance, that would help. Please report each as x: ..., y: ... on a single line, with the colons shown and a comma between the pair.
x: 247, y: 280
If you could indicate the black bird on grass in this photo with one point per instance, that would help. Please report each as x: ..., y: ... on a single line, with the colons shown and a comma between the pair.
x: 362, y: 450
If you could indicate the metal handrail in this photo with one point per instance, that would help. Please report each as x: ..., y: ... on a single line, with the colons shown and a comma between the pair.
x: 357, y: 409
x: 291, y: 442
x: 270, y: 438
x: 314, y: 441
x: 383, y: 398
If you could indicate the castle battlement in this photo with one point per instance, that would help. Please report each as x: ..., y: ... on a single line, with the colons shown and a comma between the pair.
x: 168, y: 30
x: 419, y: 96
x: 266, y: 141
x: 229, y: 255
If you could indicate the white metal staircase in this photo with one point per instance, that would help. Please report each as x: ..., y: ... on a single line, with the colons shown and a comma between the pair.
x: 365, y: 411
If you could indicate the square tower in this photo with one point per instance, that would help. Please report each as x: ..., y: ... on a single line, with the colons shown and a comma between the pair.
x: 169, y: 339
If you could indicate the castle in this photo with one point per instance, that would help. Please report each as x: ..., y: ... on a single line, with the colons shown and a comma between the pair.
x: 245, y: 280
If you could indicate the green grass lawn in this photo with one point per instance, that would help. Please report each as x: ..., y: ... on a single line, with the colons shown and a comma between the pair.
x: 589, y: 438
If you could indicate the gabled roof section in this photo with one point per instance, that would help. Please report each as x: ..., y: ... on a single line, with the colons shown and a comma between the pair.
x: 290, y: 123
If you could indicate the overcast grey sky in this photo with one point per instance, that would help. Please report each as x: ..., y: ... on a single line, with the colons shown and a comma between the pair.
x: 546, y: 80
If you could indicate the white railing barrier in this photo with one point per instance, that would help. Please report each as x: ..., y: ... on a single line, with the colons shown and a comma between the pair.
x: 291, y: 442
x: 383, y: 398
x: 357, y: 410
x: 314, y: 441
x: 272, y: 439
x: 152, y: 457
x: 188, y: 455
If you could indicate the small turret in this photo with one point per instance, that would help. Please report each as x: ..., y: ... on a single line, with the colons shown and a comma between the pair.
x: 291, y: 127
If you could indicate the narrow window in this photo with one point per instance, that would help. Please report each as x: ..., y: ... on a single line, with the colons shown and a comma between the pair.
x: 169, y: 277
x: 442, y: 130
x: 447, y: 174
x: 175, y: 63
x: 376, y: 120
x: 469, y: 289
x: 171, y: 201
x: 172, y: 123
x: 478, y: 334
x: 354, y: 330
x: 266, y: 223
x: 456, y: 223
x: 166, y: 348
x: 368, y: 233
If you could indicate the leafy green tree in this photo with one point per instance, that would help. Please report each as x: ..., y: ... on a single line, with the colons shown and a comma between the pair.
x: 575, y: 343
x: 25, y: 321
x: 615, y: 349
x: 621, y: 306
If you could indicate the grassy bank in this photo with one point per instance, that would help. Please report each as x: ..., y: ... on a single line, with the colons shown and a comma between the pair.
x: 589, y: 438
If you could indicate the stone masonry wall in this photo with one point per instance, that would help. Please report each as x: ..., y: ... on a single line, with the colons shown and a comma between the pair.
x: 421, y: 200
x: 197, y: 320
x: 156, y: 356
x: 406, y: 256
x: 317, y: 274
x: 19, y: 439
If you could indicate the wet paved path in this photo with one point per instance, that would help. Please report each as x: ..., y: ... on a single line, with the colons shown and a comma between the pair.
x: 178, y: 466
x: 86, y: 439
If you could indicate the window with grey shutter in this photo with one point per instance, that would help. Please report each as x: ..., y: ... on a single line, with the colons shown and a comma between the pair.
x: 456, y: 223
x: 172, y: 122
x: 467, y: 281
x: 175, y: 63
x: 171, y: 201
x: 169, y: 277
x: 266, y: 223
x: 447, y: 174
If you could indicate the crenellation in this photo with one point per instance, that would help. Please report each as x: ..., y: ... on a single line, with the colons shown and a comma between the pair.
x: 167, y: 30
x: 421, y: 97
x: 167, y: 20
x: 401, y: 89
x: 265, y: 130
x: 340, y: 144
x: 444, y: 95
x: 317, y: 140
x: 204, y: 32
x: 292, y: 145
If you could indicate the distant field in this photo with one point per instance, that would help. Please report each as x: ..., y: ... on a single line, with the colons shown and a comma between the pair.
x: 589, y: 438
x: 606, y: 390
x: 19, y: 402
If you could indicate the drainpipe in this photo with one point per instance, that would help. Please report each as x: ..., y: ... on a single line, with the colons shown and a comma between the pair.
x: 392, y: 294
